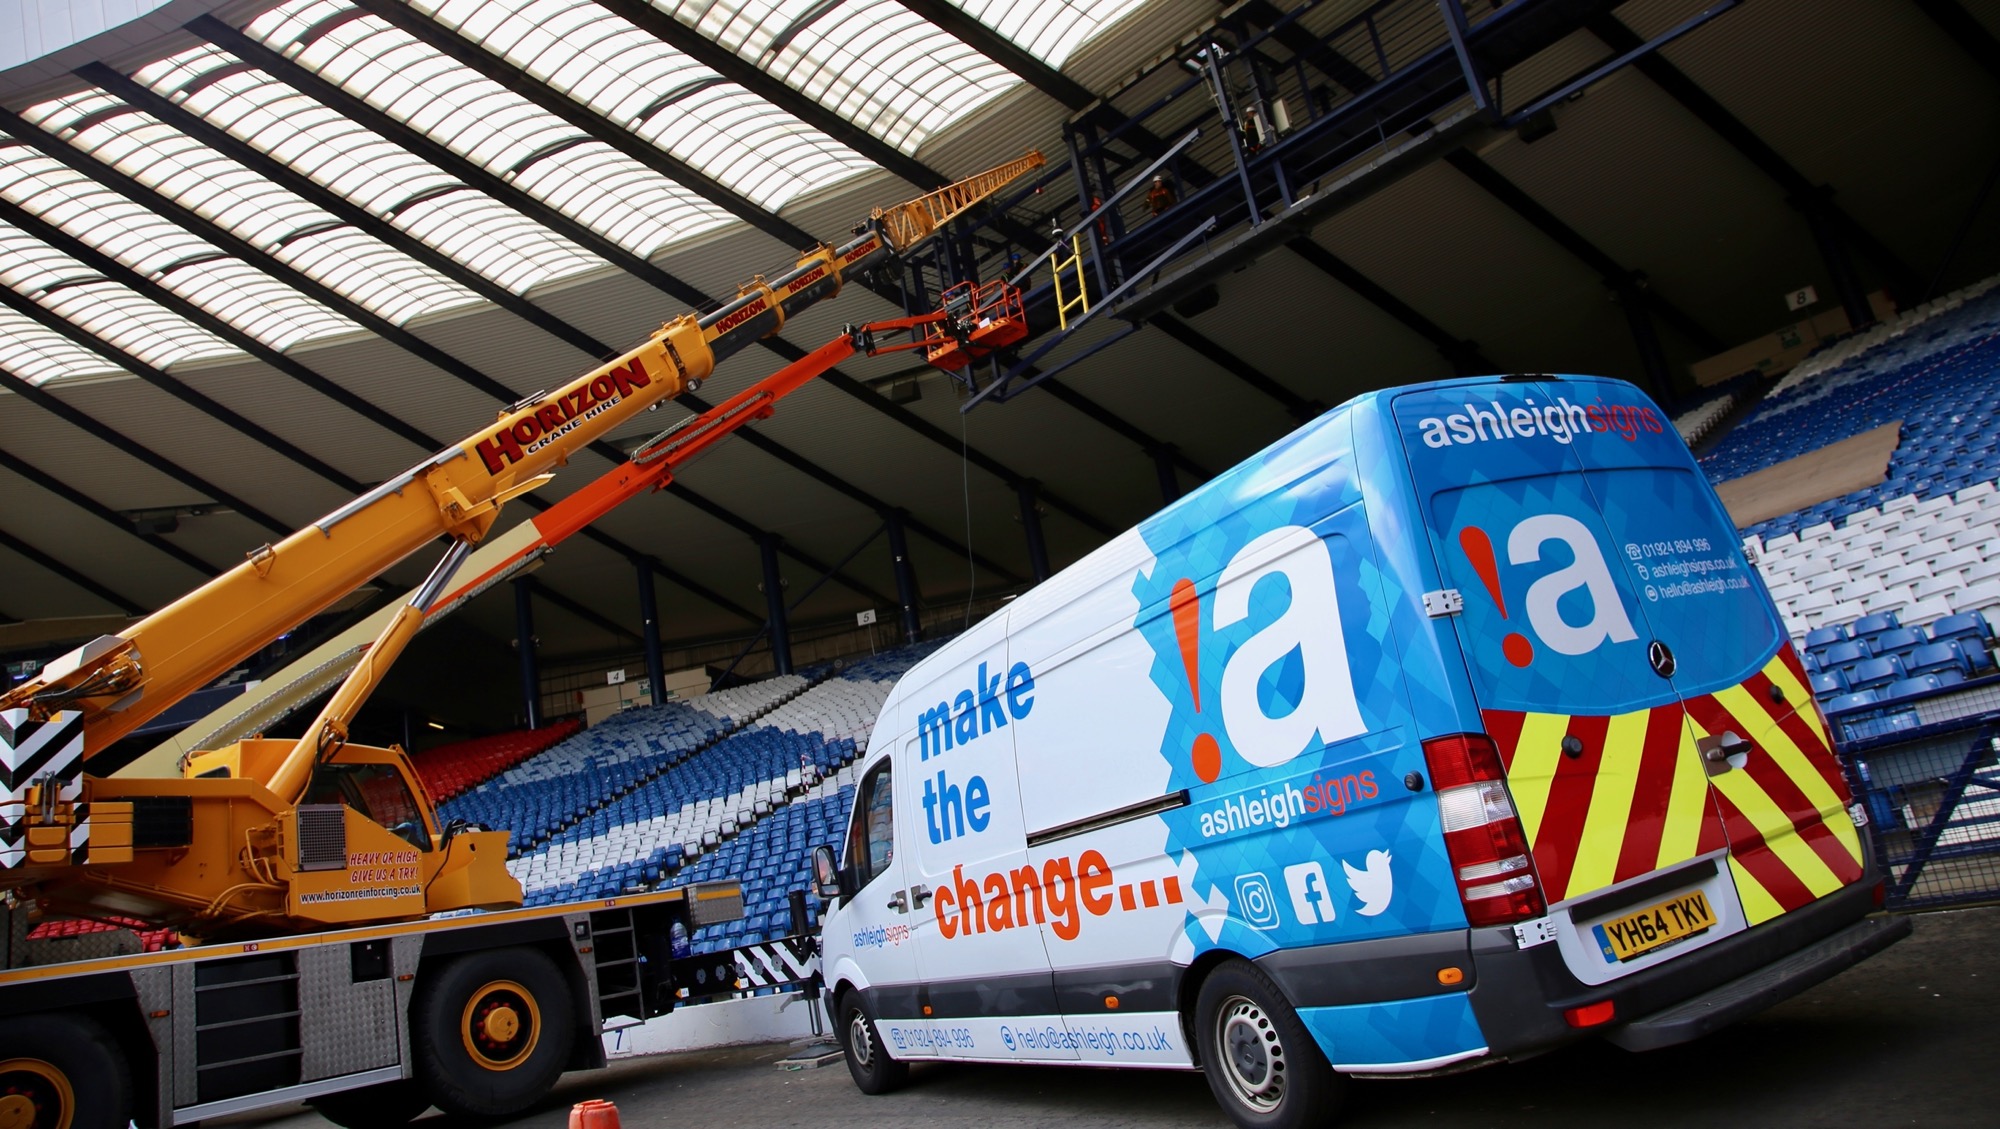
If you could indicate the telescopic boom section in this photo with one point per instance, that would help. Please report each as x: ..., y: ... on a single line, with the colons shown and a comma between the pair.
x: 120, y: 682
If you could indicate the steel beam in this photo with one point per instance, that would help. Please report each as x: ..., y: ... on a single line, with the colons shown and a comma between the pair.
x: 1163, y: 469
x: 524, y: 642
x: 362, y: 219
x: 56, y: 323
x: 117, y: 440
x: 1903, y: 281
x: 586, y: 613
x: 1965, y: 30
x: 102, y: 512
x: 1569, y: 239
x: 1003, y: 51
x: 479, y: 178
x: 333, y: 203
x: 1465, y: 357
x: 906, y: 577
x: 161, y: 295
x: 649, y: 629
x: 69, y: 573
x: 776, y: 621
x: 1031, y: 527
x: 478, y: 59
x: 1296, y: 406
x: 747, y: 75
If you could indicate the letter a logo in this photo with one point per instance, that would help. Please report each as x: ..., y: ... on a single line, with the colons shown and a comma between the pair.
x: 1588, y: 571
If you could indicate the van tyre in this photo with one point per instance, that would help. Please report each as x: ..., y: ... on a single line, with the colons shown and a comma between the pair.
x: 62, y: 1072
x: 1265, y: 1069
x: 494, y: 1031
x: 874, y: 1071
x: 374, y: 1107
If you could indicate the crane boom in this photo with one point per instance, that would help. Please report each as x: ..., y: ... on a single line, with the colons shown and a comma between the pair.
x: 267, y: 835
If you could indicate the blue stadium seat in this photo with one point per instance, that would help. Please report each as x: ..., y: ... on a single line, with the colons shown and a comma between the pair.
x: 1869, y: 626
x: 1912, y: 687
x: 1820, y: 638
x: 1832, y: 684
x: 1845, y: 654
x: 1900, y: 641
x: 1965, y: 625
x: 1860, y: 699
x: 1874, y: 674
x: 1934, y: 657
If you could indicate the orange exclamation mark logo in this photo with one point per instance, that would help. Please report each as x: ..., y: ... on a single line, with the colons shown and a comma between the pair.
x: 1479, y: 550
x: 1185, y: 603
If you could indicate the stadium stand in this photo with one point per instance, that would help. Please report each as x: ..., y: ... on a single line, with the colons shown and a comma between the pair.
x: 748, y: 803
x: 1891, y: 592
x: 547, y: 793
x: 448, y: 770
x: 1696, y: 423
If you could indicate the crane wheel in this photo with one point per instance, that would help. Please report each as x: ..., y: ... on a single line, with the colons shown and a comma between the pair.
x: 374, y: 1107
x: 494, y: 1031
x: 62, y: 1072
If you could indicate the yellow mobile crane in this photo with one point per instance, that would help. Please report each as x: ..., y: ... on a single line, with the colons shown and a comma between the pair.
x: 266, y: 836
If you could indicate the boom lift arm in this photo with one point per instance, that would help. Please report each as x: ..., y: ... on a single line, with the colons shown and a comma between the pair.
x: 258, y: 830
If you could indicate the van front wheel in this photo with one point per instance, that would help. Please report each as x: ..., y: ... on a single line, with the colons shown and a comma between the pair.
x: 1265, y: 1069
x: 874, y: 1071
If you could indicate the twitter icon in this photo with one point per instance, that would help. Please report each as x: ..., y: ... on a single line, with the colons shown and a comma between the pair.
x: 1374, y: 884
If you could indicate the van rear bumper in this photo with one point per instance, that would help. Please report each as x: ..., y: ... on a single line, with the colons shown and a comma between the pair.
x: 1718, y: 1007
x: 1519, y: 995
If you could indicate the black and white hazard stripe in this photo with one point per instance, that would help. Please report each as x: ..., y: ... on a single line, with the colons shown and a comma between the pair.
x: 29, y: 751
x: 770, y: 963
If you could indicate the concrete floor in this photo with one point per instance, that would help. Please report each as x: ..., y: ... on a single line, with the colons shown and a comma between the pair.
x: 1911, y: 1037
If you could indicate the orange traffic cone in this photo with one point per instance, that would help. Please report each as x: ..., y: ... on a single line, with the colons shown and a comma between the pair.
x: 593, y: 1114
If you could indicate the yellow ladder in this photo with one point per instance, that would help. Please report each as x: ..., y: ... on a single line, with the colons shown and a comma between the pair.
x: 910, y: 222
x: 1082, y: 299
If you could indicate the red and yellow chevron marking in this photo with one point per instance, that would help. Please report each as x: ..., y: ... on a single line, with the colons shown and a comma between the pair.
x: 1638, y: 798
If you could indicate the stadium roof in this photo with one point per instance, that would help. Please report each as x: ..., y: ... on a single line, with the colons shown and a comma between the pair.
x: 255, y: 257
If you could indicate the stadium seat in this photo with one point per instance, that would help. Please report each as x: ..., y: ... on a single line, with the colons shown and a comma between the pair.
x: 1873, y: 674
x: 1860, y: 699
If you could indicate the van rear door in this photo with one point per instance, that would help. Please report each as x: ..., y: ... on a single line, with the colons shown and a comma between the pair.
x: 1782, y: 797
x: 1607, y: 611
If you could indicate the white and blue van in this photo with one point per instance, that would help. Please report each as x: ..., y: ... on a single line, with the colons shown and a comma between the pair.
x: 1451, y: 728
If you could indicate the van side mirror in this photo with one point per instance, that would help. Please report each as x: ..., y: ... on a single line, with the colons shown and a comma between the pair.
x: 826, y: 873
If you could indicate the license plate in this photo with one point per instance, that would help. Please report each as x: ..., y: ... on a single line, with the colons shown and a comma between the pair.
x: 1656, y: 926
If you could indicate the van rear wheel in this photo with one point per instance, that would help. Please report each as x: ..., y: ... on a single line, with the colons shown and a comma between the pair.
x: 873, y: 1070
x: 1263, y: 1066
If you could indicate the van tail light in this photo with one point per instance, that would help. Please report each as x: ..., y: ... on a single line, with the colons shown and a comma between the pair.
x: 1482, y: 834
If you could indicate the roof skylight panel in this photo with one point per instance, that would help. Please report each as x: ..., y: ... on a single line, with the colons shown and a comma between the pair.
x: 617, y: 70
x: 37, y: 355
x: 196, y: 177
x: 355, y: 162
x: 873, y: 62
x: 153, y: 247
x: 85, y: 299
x: 487, y: 123
x: 1050, y: 30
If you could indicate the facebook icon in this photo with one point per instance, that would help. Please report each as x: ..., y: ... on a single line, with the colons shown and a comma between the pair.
x: 1307, y: 884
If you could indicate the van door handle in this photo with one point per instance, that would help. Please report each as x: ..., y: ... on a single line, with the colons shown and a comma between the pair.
x: 918, y: 896
x: 900, y: 903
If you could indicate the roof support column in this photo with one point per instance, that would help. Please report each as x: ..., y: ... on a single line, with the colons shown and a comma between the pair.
x: 649, y: 630
x: 1652, y: 359
x: 524, y: 642
x: 1833, y: 250
x: 774, y: 601
x: 1163, y: 467
x: 1031, y: 524
x: 906, y: 575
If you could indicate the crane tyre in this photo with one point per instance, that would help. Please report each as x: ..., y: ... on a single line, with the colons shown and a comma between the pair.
x: 62, y: 1072
x: 867, y: 1060
x: 1264, y: 1067
x: 494, y: 1031
x: 374, y: 1107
